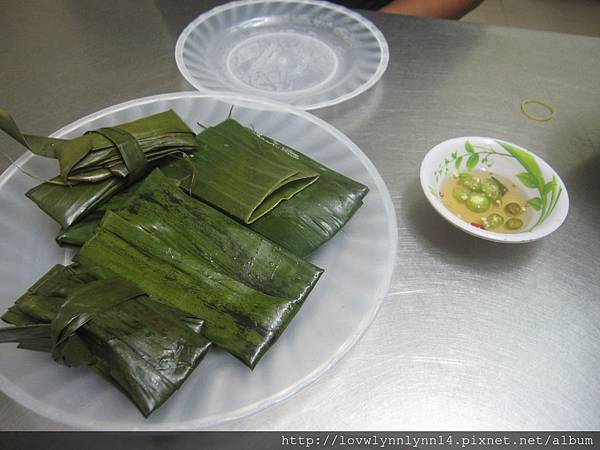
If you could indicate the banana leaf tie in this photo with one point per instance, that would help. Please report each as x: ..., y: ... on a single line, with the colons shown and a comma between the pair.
x: 133, y: 156
x: 82, y: 305
x: 43, y: 146
x: 25, y: 332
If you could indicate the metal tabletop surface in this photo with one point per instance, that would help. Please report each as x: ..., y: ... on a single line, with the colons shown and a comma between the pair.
x: 472, y: 334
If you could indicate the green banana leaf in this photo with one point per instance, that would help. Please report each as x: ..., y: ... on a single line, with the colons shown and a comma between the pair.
x: 309, y: 219
x: 25, y: 333
x: 143, y: 347
x: 39, y: 145
x: 182, y: 252
x: 78, y: 233
x: 67, y: 204
x: 242, y: 175
x: 300, y: 224
x: 34, y: 337
x: 100, y: 163
x: 15, y: 317
x: 41, y: 302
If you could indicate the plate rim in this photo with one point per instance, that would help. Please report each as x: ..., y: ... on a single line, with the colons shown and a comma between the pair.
x: 72, y: 420
x: 376, y: 32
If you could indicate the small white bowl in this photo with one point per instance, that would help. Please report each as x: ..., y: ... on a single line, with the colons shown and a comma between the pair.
x: 509, y: 161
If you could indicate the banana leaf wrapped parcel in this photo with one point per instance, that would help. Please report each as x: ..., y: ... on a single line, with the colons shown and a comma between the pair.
x: 145, y: 348
x: 98, y: 164
x: 304, y: 221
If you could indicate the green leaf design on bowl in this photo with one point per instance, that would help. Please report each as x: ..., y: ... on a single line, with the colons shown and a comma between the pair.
x: 533, y: 178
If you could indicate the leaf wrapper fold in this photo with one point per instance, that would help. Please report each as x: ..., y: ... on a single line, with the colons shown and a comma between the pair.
x: 242, y: 175
x: 190, y: 256
x: 67, y: 204
x: 315, y: 215
x: 131, y: 152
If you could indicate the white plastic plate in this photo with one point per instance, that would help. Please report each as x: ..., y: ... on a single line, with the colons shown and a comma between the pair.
x: 358, y: 265
x: 306, y: 53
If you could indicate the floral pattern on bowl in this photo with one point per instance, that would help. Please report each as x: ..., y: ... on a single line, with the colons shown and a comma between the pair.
x: 546, y: 192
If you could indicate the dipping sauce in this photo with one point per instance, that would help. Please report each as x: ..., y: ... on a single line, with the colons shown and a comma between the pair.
x: 487, y: 200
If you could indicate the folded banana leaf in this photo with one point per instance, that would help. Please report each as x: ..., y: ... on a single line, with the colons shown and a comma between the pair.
x: 183, y: 252
x: 78, y: 233
x: 41, y: 302
x: 313, y: 216
x: 143, y: 347
x: 95, y: 166
x: 67, y: 204
x: 242, y: 175
x: 300, y: 224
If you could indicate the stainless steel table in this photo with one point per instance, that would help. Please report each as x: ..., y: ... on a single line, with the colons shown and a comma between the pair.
x: 472, y: 335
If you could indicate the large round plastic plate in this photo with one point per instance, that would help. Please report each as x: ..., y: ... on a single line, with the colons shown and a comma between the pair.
x: 305, y: 53
x: 358, y: 264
